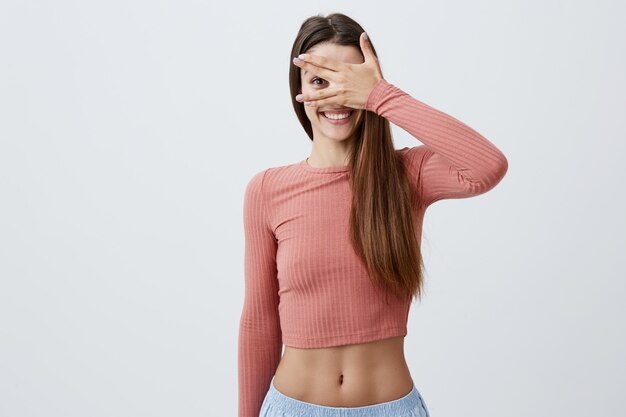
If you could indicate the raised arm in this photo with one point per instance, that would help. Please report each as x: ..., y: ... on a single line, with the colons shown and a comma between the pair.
x: 455, y: 160
x: 260, y: 337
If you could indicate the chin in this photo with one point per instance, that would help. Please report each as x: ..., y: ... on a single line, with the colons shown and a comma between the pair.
x: 340, y: 136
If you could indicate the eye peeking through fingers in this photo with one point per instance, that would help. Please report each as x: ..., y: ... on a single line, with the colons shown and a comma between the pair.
x: 316, y: 79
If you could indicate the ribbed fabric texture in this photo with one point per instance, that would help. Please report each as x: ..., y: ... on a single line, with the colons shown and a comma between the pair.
x: 304, y: 284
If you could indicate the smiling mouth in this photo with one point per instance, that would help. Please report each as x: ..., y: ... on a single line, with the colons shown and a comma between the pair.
x: 335, y: 115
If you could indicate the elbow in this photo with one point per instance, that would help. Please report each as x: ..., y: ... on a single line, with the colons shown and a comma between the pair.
x: 503, y: 166
x: 501, y: 169
x: 496, y: 173
x: 259, y: 327
x: 491, y: 176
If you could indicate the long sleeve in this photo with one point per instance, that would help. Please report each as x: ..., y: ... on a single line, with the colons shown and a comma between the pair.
x: 455, y: 160
x: 260, y: 337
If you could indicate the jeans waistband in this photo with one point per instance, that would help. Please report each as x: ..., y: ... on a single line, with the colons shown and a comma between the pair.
x: 292, y: 406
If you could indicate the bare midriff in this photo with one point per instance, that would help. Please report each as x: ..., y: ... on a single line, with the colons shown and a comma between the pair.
x: 345, y: 376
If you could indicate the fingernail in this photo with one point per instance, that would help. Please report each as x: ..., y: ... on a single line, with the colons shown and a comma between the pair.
x: 308, y: 103
x: 299, y: 97
x: 365, y: 36
x: 296, y: 61
x: 302, y: 56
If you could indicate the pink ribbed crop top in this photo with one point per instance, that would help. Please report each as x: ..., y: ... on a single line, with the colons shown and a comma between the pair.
x: 304, y: 285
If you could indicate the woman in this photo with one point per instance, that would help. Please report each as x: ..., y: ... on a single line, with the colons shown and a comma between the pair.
x: 332, y: 253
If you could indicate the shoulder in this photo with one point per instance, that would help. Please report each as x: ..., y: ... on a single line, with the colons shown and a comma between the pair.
x: 255, y: 184
x: 414, y: 159
x: 414, y: 155
x: 268, y: 178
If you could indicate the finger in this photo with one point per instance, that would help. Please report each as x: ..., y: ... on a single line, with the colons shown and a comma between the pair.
x: 319, y: 71
x: 366, y: 47
x: 322, y: 61
x: 317, y: 96
x: 330, y: 102
x: 320, y: 103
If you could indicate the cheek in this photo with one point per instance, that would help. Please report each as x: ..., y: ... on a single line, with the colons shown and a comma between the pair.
x: 311, y: 112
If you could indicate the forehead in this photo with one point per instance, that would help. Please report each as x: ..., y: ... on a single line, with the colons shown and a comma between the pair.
x: 341, y: 53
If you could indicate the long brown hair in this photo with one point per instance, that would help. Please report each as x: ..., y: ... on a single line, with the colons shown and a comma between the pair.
x: 382, y: 218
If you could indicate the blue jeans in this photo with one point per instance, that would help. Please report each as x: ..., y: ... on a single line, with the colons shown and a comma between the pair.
x: 277, y: 404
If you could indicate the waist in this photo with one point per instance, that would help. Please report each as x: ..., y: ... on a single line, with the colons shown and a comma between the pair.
x: 345, y: 376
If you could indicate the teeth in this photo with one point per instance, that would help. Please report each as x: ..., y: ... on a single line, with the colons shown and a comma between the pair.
x: 336, y: 116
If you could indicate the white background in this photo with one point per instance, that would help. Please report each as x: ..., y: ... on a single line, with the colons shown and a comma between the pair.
x: 129, y: 129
